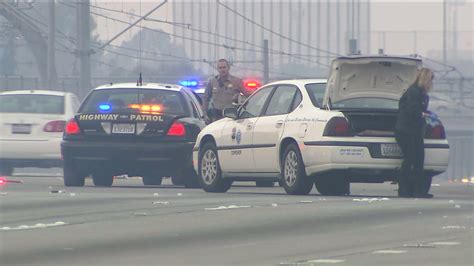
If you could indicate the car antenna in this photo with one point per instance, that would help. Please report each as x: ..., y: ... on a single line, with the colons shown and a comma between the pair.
x: 139, y: 81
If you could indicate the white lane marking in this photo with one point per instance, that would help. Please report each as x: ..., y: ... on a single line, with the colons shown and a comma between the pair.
x: 371, y: 199
x: 274, y: 205
x: 389, y: 251
x: 306, y: 201
x: 453, y: 227
x: 325, y: 261
x: 36, y: 226
x: 435, y: 185
x: 418, y: 246
x: 445, y: 243
x: 226, y: 208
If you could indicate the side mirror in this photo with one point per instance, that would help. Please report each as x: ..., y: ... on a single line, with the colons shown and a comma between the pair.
x: 230, y: 112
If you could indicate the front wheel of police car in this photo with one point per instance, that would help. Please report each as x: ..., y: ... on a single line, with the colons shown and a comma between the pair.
x: 295, y: 181
x: 210, y: 174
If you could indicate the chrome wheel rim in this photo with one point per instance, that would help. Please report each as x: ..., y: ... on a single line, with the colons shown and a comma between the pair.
x: 209, y: 167
x: 291, y: 168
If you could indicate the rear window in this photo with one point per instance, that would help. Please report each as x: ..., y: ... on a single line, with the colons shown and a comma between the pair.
x: 130, y: 100
x: 316, y: 93
x: 31, y: 103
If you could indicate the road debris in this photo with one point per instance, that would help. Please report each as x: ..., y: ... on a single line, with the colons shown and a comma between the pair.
x: 161, y: 202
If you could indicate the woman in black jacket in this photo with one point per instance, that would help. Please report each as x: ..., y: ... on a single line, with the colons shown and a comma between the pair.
x: 409, y: 132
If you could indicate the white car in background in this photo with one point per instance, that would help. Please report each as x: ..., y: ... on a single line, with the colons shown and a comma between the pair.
x: 305, y: 132
x: 31, y: 127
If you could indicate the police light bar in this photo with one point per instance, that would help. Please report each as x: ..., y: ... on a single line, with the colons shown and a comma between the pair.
x: 252, y: 84
x: 189, y: 83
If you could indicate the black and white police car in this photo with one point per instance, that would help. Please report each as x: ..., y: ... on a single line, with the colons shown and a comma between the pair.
x: 305, y: 132
x: 145, y: 130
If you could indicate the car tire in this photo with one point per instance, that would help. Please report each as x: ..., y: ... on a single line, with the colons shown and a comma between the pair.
x: 6, y: 170
x: 294, y: 178
x: 187, y: 177
x: 102, y: 179
x: 264, y: 183
x: 72, y: 176
x: 425, y: 186
x: 177, y: 180
x: 210, y: 174
x: 152, y: 180
x: 332, y: 185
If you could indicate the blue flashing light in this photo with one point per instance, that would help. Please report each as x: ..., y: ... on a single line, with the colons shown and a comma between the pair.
x: 189, y: 83
x: 105, y: 107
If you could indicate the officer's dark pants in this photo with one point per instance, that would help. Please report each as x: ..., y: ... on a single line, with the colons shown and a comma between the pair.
x: 214, y: 114
x: 411, y: 172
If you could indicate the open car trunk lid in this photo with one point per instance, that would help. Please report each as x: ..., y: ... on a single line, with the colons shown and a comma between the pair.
x: 370, y: 77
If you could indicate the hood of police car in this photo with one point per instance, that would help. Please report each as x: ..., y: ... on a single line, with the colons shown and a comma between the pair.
x: 370, y: 76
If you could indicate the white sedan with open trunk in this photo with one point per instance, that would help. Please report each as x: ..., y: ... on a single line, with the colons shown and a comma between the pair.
x: 328, y: 133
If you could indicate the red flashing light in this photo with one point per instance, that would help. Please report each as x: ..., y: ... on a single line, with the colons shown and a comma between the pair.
x: 72, y: 127
x: 3, y: 181
x: 252, y: 84
x: 177, y: 129
x: 54, y: 126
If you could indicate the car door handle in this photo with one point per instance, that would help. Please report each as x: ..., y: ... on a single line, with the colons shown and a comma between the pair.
x: 249, y: 126
x: 279, y: 123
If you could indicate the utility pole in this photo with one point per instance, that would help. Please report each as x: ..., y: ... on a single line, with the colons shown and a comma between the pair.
x: 265, y: 62
x: 445, y: 4
x: 83, y: 49
x: 51, y: 63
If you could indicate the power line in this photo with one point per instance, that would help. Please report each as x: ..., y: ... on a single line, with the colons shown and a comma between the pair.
x: 272, y: 51
x: 189, y: 27
x: 276, y: 33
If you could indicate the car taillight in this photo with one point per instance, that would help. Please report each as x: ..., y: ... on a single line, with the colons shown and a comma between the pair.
x: 338, y: 126
x: 177, y: 129
x: 54, y: 126
x: 72, y: 127
x: 436, y: 132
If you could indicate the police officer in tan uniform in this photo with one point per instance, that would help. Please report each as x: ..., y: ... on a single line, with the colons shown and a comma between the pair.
x: 221, y: 91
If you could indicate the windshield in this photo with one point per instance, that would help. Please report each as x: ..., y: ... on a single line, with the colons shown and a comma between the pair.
x: 31, y: 103
x: 131, y: 100
x: 366, y: 103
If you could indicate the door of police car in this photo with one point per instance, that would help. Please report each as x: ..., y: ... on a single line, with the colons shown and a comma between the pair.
x: 235, y: 148
x: 269, y: 127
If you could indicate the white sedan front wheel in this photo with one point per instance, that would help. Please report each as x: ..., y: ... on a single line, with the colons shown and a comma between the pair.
x: 210, y: 174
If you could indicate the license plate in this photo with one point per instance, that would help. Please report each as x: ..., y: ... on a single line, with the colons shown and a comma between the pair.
x: 123, y: 128
x: 392, y: 150
x: 21, y: 129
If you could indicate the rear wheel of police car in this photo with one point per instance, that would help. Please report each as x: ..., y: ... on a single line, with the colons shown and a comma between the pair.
x: 294, y: 178
x: 264, y: 183
x: 151, y: 179
x: 210, y: 174
x: 102, y: 178
x: 72, y: 176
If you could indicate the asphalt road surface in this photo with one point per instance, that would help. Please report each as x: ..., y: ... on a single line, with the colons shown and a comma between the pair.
x: 42, y: 222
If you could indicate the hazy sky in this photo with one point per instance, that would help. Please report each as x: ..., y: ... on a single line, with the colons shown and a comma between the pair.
x: 398, y: 19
